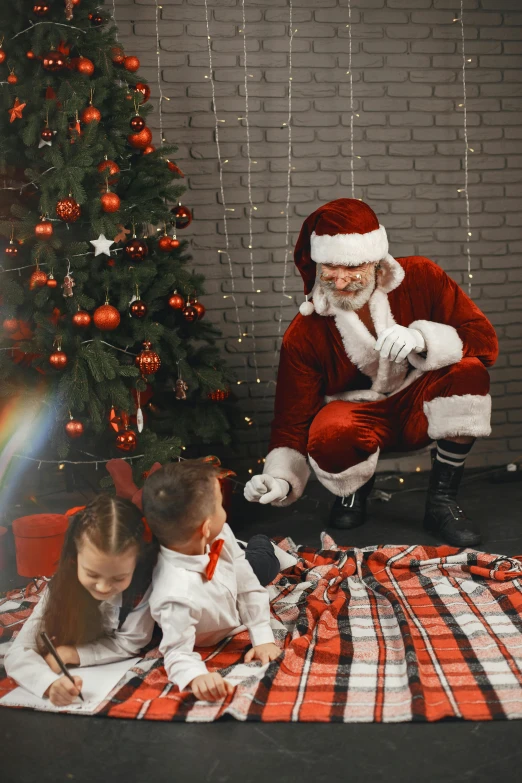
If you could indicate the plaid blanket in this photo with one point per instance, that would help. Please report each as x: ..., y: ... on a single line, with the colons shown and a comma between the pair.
x: 382, y: 634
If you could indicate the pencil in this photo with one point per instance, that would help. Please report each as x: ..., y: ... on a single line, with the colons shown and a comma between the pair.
x: 50, y: 646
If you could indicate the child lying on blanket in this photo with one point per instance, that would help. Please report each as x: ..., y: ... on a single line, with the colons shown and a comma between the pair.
x: 96, y: 607
x: 204, y: 588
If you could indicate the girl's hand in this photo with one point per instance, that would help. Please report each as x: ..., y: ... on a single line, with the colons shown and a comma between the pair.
x: 263, y: 652
x: 62, y: 692
x: 67, y: 653
x: 210, y: 687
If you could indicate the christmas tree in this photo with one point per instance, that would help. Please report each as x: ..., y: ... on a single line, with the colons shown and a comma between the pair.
x: 100, y: 314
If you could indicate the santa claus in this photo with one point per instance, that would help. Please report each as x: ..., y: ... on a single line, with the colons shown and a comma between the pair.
x: 389, y: 356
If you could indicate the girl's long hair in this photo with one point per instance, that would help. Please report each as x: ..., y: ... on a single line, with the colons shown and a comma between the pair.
x: 112, y: 525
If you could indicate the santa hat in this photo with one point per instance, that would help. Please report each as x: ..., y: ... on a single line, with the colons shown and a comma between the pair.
x: 344, y: 232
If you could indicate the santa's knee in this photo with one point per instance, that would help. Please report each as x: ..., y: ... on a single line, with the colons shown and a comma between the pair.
x: 469, y: 376
x: 337, y: 439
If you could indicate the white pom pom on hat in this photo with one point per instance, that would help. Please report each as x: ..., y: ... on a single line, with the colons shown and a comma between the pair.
x: 306, y: 308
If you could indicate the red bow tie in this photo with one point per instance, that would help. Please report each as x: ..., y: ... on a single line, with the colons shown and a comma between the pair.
x: 213, y: 557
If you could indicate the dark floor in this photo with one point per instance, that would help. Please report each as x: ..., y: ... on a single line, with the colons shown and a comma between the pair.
x: 41, y: 748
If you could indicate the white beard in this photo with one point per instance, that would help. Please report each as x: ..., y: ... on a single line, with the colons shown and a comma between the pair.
x: 342, y: 302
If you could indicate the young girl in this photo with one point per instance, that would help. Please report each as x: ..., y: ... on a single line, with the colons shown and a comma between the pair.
x: 96, y: 607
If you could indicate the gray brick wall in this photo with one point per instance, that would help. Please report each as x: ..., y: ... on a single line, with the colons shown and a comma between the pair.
x: 407, y: 67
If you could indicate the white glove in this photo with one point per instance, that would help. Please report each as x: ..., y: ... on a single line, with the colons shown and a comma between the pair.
x: 266, y: 489
x: 397, y: 342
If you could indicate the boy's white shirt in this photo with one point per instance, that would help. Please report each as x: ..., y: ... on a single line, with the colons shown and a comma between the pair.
x: 28, y: 668
x: 192, y: 610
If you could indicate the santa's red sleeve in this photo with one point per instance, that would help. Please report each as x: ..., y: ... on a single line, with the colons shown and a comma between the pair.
x: 299, y: 397
x: 456, y: 327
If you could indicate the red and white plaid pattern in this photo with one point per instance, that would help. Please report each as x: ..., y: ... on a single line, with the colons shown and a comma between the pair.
x: 382, y: 634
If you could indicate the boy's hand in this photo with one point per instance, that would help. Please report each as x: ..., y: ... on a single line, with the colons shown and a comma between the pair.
x: 62, y: 692
x: 211, y: 687
x: 263, y: 652
x: 67, y: 653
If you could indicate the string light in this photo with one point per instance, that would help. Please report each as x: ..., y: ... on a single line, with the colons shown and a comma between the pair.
x: 114, y: 19
x: 466, y: 147
x: 160, y: 107
x: 349, y: 26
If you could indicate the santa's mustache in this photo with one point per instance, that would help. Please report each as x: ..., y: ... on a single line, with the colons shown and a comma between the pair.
x: 350, y: 287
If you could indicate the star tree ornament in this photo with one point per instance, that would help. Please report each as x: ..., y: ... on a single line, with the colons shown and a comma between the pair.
x: 17, y: 109
x: 102, y: 245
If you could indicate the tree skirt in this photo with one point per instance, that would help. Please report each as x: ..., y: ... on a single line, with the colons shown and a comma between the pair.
x: 382, y: 634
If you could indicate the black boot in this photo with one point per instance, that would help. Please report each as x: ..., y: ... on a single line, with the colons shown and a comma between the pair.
x: 443, y: 516
x: 350, y: 511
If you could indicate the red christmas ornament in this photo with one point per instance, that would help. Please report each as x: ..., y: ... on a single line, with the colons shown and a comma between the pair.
x: 96, y: 19
x: 30, y: 55
x: 106, y: 318
x: 52, y: 282
x: 109, y: 166
x: 46, y: 134
x: 126, y: 440
x: 12, y: 78
x: 174, y: 243
x: 16, y: 110
x: 3, y: 56
x: 110, y: 202
x: 37, y: 280
x: 53, y: 61
x: 199, y: 308
x: 182, y: 216
x: 149, y: 149
x: 11, y: 249
x: 85, y: 66
x: 117, y: 55
x: 131, y: 64
x: 218, y: 395
x: 175, y: 169
x: 164, y: 244
x: 17, y: 330
x: 81, y: 319
x: 44, y: 229
x: 190, y: 314
x: 40, y: 9
x: 138, y: 309
x: 68, y: 210
x: 141, y: 140
x: 137, y: 123
x: 136, y: 249
x: 148, y: 361
x: 74, y: 429
x: 176, y: 301
x: 91, y: 114
x: 58, y: 359
x: 144, y: 89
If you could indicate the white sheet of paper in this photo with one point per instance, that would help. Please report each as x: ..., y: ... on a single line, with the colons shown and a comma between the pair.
x: 98, y: 682
x: 8, y: 606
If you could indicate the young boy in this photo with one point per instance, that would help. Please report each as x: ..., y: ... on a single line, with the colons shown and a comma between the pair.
x: 200, y: 593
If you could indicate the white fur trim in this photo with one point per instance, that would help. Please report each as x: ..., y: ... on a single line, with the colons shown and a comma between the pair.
x: 306, y: 308
x: 443, y: 346
x: 461, y: 415
x: 290, y: 465
x: 349, y: 480
x: 390, y: 275
x: 349, y: 249
x: 363, y: 395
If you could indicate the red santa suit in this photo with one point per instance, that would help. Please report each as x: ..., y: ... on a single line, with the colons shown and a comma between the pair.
x: 339, y: 405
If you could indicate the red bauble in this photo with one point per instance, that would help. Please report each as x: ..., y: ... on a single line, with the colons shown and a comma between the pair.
x: 106, y: 318
x: 126, y: 440
x: 144, y: 89
x: 68, y: 210
x: 30, y: 55
x: 52, y: 282
x: 182, y: 216
x: 190, y: 314
x: 91, y: 114
x: 40, y: 9
x: 3, y: 56
x: 136, y: 249
x: 12, y: 78
x: 110, y: 202
x: 218, y: 395
x: 149, y: 149
x: 148, y: 361
x: 131, y: 64
x: 138, y: 309
x: 47, y: 134
x: 176, y: 301
x: 164, y: 244
x: 199, y: 308
x: 11, y: 250
x: 81, y: 319
x: 175, y: 169
x: 109, y: 166
x: 174, y: 243
x: 137, y: 123
x: 74, y: 429
x: 58, y: 359
x: 44, y: 229
x: 96, y: 20
x: 117, y: 55
x: 53, y: 61
x: 141, y: 140
x: 37, y: 280
x: 85, y: 66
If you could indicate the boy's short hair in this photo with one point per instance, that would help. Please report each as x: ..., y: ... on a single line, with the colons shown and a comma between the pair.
x: 179, y: 497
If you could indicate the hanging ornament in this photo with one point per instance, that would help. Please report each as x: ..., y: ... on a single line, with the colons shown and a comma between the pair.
x: 108, y: 167
x: 139, y: 412
x: 96, y: 20
x: 51, y: 281
x: 174, y: 242
x: 43, y: 229
x: 68, y: 283
x: 131, y: 64
x: 149, y: 149
x: 138, y: 309
x: 164, y: 243
x: 11, y: 249
x: 106, y: 317
x: 85, y: 66
x: 181, y: 389
x: 75, y: 129
x: 54, y: 61
x: 116, y: 421
x: 12, y: 78
x: 110, y: 202
x: 147, y: 360
x: 38, y: 279
x: 144, y: 89
x: 199, y: 308
x: 175, y: 169
x: 117, y: 55
x: 91, y: 114
x: 68, y: 210
x: 74, y: 428
x: 17, y: 109
x: 126, y: 440
x: 40, y: 9
x: 190, y: 314
x: 30, y: 55
x: 176, y: 301
x: 47, y: 135
x: 137, y: 123
x: 69, y: 5
x: 81, y: 319
x: 102, y: 245
x: 182, y: 216
x: 3, y: 54
x: 218, y: 395
x: 58, y: 359
x: 121, y: 236
x: 141, y: 140
x: 136, y: 249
